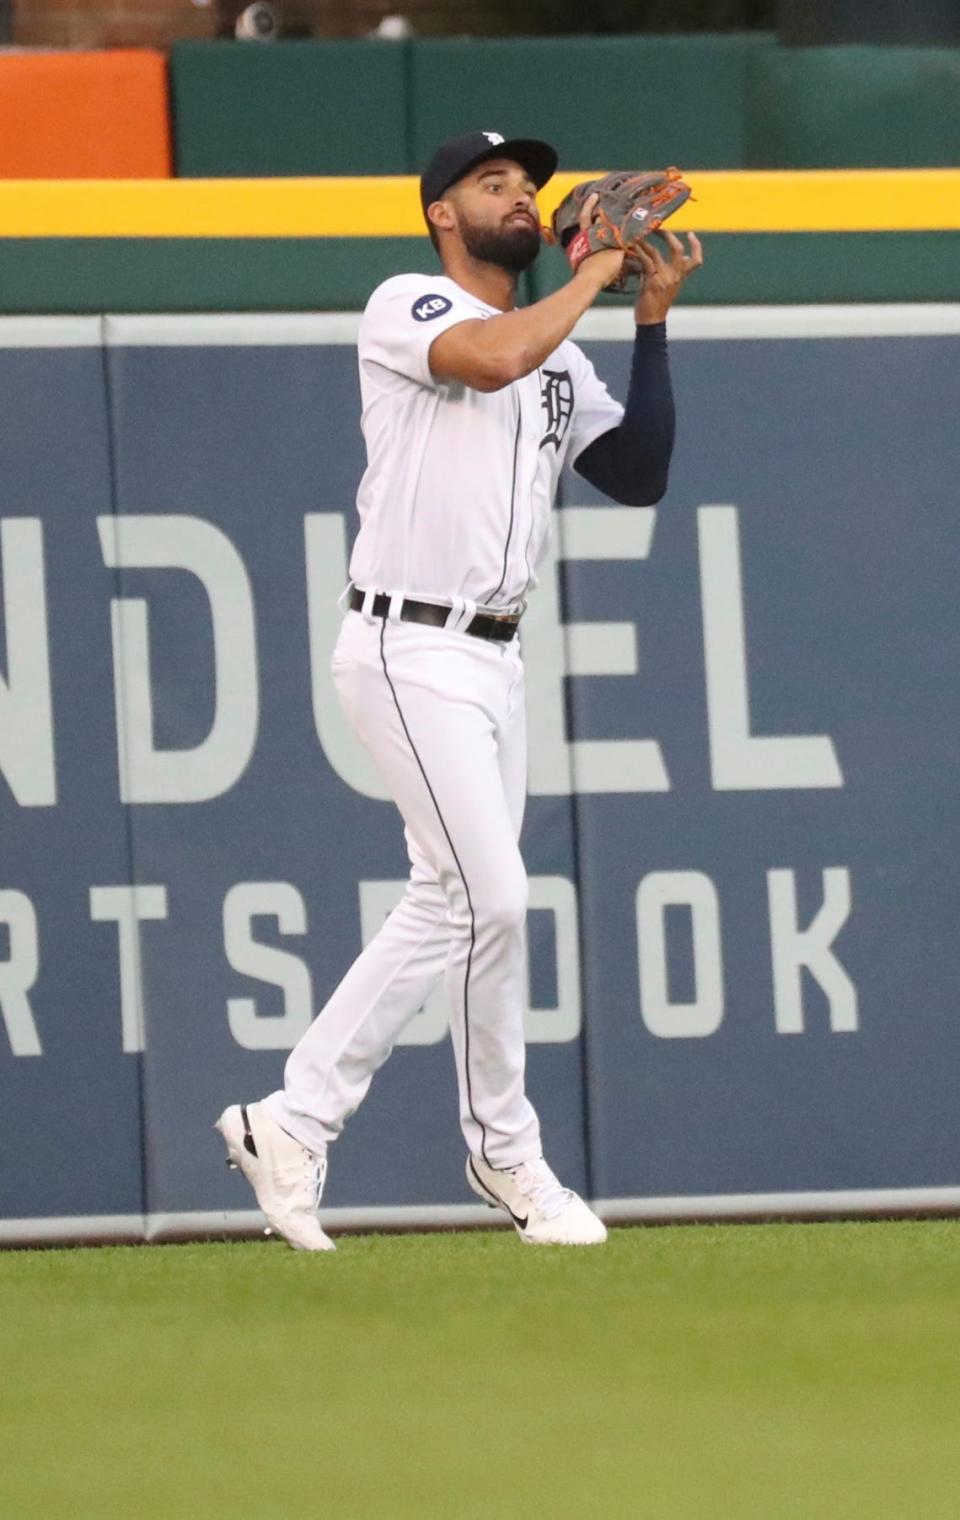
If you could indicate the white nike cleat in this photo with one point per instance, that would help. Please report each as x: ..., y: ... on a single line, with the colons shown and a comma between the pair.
x: 544, y: 1212
x: 286, y: 1177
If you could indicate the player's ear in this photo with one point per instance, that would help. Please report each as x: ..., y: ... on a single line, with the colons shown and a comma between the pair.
x: 440, y: 215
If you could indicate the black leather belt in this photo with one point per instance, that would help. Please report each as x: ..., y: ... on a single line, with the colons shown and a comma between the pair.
x: 483, y: 625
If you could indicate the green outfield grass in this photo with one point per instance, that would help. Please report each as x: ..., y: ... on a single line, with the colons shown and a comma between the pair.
x: 732, y: 1371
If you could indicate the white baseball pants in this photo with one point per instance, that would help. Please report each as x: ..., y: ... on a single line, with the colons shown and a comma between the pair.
x: 443, y: 717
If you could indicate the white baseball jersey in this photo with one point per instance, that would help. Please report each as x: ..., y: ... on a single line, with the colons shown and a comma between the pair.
x: 456, y: 497
x: 454, y: 508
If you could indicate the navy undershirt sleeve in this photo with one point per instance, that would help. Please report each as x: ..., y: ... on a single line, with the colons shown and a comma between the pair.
x: 630, y: 462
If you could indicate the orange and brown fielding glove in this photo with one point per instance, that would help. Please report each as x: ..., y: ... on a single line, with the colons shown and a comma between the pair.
x: 631, y: 205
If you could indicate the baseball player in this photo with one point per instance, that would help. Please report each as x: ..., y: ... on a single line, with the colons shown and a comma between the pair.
x: 471, y: 406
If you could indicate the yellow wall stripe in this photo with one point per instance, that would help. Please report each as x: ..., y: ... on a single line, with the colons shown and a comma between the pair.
x: 847, y: 200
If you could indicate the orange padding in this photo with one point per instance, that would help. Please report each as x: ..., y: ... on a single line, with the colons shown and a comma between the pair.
x: 84, y: 116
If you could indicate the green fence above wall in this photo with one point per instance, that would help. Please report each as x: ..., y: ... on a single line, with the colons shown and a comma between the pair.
x: 853, y: 107
x: 733, y: 101
x: 291, y: 108
x: 602, y: 101
x: 380, y: 107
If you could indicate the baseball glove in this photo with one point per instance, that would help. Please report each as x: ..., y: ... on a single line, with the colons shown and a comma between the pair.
x: 631, y: 205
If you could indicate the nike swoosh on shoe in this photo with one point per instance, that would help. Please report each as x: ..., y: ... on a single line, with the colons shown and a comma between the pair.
x: 499, y: 1203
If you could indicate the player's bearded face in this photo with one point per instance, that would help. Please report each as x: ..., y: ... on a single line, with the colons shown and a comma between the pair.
x: 512, y: 241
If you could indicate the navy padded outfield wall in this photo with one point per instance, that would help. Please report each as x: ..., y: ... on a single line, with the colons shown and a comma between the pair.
x: 742, y: 834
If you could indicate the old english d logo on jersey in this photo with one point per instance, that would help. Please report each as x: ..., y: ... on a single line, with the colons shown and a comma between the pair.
x: 430, y: 443
x: 428, y: 307
x: 556, y: 398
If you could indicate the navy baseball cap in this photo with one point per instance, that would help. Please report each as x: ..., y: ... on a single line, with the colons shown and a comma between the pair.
x: 456, y: 157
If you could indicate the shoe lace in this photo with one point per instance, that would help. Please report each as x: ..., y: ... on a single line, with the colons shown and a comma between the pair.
x: 544, y: 1189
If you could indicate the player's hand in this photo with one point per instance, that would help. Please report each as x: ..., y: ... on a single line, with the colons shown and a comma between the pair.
x: 602, y: 267
x: 664, y: 274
